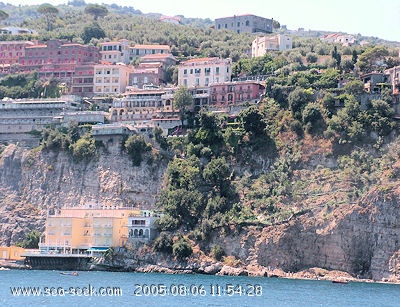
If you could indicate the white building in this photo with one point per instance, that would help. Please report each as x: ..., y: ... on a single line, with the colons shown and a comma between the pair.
x: 16, y: 31
x: 142, y: 226
x: 111, y: 79
x: 139, y: 51
x: 262, y: 44
x: 343, y: 39
x: 115, y: 52
x: 204, y: 71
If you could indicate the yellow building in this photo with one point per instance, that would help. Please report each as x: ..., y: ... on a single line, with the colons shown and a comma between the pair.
x: 11, y: 253
x: 89, y: 228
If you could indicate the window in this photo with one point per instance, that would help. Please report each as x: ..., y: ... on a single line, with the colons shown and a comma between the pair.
x: 197, y: 81
x: 226, y: 26
x: 238, y: 24
x: 185, y: 71
x: 247, y: 23
x: 191, y: 71
x: 217, y: 70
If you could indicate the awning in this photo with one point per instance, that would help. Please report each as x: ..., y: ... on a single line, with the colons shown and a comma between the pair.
x: 98, y: 249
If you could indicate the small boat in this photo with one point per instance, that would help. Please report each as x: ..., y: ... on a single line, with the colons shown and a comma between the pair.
x: 70, y: 273
x: 345, y: 282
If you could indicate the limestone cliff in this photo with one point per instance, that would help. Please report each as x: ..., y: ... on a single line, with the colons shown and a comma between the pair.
x: 33, y: 182
x: 361, y: 239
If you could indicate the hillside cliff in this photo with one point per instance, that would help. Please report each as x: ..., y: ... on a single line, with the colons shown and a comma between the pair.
x: 34, y: 182
x: 360, y: 238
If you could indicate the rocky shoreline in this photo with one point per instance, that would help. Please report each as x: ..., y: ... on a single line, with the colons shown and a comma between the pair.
x: 220, y: 269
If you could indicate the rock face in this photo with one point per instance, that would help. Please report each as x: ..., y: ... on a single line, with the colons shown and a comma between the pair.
x: 361, y: 239
x: 33, y: 183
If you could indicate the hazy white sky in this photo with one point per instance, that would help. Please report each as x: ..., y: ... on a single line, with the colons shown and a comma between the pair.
x: 367, y: 17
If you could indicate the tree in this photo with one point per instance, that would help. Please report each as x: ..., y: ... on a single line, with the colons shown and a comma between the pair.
x: 298, y: 99
x: 336, y: 56
x: 252, y: 121
x: 49, y: 12
x: 372, y: 59
x: 354, y: 87
x: 217, y: 173
x: 92, y: 31
x: 3, y: 15
x: 96, y: 10
x: 182, y: 100
x: 31, y: 240
x: 312, y: 118
x: 136, y: 146
x: 275, y: 24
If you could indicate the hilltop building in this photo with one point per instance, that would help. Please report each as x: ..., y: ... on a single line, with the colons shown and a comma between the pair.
x: 262, y: 44
x: 245, y: 24
x: 343, y: 39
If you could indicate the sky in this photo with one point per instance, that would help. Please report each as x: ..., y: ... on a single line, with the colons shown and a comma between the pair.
x: 366, y: 17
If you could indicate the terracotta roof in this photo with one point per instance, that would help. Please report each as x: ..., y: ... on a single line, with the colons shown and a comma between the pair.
x: 199, y: 60
x: 157, y: 56
x: 36, y: 46
x: 137, y: 46
x: 72, y: 44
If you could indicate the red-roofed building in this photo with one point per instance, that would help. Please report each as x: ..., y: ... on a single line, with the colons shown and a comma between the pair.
x: 58, y: 53
x: 234, y: 93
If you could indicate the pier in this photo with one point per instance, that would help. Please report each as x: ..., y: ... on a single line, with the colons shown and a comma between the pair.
x: 70, y: 262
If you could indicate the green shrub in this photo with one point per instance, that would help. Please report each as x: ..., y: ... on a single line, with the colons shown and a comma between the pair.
x: 217, y: 252
x: 136, y: 147
x: 84, y: 149
x: 163, y: 243
x: 31, y: 240
x: 181, y: 249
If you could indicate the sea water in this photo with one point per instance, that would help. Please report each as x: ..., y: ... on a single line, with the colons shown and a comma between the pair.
x: 50, y: 288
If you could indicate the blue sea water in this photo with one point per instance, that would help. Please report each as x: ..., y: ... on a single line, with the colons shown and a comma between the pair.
x: 140, y: 289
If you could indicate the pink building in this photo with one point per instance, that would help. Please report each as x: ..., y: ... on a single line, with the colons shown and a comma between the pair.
x: 82, y: 80
x: 234, y: 93
x: 12, y: 51
x: 55, y: 53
